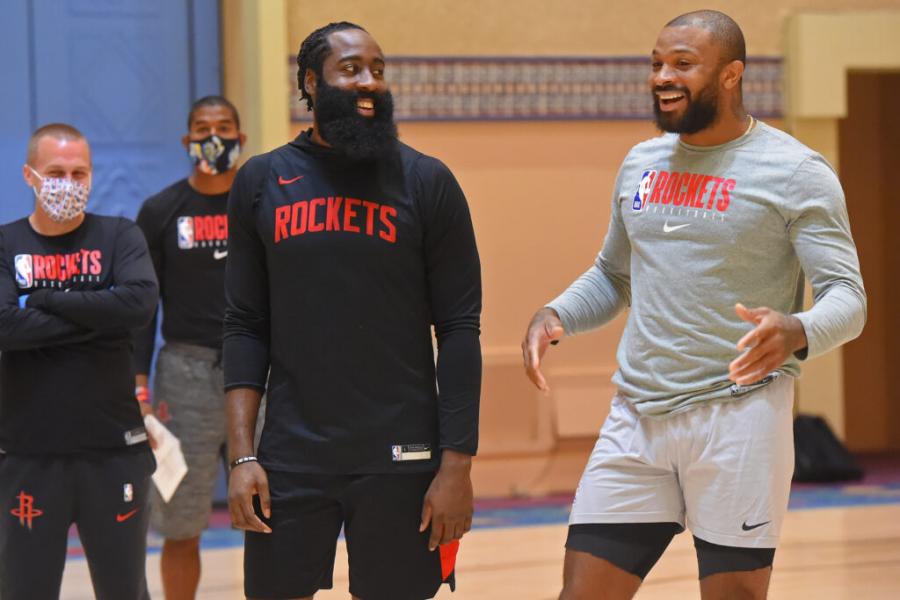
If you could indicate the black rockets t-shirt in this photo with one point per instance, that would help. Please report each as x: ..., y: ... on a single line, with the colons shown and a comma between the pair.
x: 337, y: 271
x: 187, y: 234
x: 66, y: 376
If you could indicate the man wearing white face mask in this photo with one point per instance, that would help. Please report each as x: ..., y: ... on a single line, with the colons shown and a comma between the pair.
x: 73, y: 448
x: 187, y: 232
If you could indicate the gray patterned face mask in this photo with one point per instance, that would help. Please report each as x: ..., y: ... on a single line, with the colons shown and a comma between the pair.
x: 62, y: 199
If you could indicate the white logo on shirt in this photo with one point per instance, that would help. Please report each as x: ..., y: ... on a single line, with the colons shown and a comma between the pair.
x: 220, y: 254
x: 668, y: 229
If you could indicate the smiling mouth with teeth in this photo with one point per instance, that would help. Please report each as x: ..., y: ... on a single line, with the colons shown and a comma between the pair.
x: 365, y: 104
x: 669, y: 97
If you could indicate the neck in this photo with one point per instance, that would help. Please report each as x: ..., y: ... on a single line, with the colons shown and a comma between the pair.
x: 44, y: 225
x: 317, y: 138
x: 729, y: 126
x: 212, y: 185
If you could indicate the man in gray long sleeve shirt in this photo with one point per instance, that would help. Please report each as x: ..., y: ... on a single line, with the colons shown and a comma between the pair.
x: 719, y: 214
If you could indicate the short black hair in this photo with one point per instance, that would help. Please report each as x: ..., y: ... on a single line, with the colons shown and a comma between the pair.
x: 313, y: 51
x: 724, y: 29
x: 213, y: 101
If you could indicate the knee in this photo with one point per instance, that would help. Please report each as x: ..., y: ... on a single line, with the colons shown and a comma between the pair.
x: 183, y: 545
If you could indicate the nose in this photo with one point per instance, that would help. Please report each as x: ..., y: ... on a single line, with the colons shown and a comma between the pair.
x: 665, y: 75
x: 366, y: 81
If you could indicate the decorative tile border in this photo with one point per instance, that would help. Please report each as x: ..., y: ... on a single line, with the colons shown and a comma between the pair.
x: 457, y: 88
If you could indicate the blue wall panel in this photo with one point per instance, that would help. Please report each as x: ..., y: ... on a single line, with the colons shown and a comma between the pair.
x: 122, y: 71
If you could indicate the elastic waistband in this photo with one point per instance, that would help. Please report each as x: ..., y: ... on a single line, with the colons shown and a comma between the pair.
x: 213, y: 355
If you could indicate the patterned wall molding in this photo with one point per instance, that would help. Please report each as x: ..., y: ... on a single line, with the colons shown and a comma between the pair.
x: 511, y: 88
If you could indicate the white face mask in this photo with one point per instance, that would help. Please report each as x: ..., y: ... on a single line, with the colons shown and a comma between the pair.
x: 62, y: 199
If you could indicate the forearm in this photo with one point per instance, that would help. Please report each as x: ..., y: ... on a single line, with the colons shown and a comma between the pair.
x: 592, y: 300
x: 126, y: 307
x: 459, y: 385
x: 837, y: 317
x: 241, y: 410
x: 28, y: 328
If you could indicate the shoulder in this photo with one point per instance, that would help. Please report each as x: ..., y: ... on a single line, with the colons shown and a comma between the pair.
x: 423, y: 167
x: 651, y: 149
x: 166, y: 197
x: 791, y: 153
x: 15, y: 227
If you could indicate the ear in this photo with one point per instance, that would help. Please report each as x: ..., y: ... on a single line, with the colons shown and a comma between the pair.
x: 242, y: 137
x: 730, y: 76
x: 309, y: 84
x: 185, y: 140
x: 28, y: 176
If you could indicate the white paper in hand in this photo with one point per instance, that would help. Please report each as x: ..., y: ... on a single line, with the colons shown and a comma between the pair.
x: 170, y: 465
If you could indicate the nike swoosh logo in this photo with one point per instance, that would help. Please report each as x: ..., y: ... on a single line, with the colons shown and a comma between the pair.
x: 283, y: 181
x: 220, y: 254
x: 126, y: 516
x: 746, y: 527
x: 668, y: 229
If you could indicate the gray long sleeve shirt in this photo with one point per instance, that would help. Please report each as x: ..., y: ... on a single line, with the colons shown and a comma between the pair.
x: 695, y: 230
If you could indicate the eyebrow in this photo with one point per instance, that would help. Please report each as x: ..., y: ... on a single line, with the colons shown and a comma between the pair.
x: 358, y: 57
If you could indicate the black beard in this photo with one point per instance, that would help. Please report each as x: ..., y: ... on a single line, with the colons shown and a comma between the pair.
x: 347, y: 131
x: 700, y: 113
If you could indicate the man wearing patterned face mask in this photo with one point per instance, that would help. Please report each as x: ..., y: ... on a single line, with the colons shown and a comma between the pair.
x: 187, y: 232
x: 73, y: 448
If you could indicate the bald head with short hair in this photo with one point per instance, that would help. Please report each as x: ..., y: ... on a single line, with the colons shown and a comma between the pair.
x: 725, y: 31
x: 58, y: 131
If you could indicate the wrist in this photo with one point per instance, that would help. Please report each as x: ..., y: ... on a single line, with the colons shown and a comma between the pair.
x: 142, y: 394
x: 800, y: 340
x: 454, y: 460
x: 242, y: 460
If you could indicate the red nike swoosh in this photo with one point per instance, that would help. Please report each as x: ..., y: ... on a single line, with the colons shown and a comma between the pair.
x: 284, y: 181
x: 126, y: 516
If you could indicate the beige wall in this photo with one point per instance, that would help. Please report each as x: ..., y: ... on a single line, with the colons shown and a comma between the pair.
x: 539, y: 191
x: 527, y: 27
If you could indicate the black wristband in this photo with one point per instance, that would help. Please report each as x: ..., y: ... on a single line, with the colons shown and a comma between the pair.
x: 242, y: 460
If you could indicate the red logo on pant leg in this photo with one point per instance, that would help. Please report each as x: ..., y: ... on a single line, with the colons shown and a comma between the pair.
x: 26, y: 511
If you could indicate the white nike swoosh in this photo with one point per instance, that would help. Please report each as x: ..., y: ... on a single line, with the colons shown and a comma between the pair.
x: 220, y: 254
x: 668, y: 229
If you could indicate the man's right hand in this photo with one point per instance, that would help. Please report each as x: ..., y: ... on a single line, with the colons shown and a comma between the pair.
x: 245, y: 481
x: 545, y: 328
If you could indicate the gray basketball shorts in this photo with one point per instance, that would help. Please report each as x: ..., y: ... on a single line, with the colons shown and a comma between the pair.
x: 722, y: 469
x: 189, y: 381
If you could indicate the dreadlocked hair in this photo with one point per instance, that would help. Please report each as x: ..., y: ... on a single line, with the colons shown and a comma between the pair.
x: 312, y: 54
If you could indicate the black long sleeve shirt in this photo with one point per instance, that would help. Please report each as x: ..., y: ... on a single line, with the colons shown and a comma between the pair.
x: 337, y: 271
x: 66, y: 376
x: 187, y: 235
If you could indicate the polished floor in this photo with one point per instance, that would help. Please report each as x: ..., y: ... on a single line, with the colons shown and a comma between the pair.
x: 839, y: 542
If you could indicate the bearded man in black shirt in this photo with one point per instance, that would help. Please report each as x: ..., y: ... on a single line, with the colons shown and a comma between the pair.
x: 346, y: 247
x: 73, y: 448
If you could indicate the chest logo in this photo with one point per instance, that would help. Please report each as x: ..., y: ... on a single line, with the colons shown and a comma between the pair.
x: 643, y: 191
x: 668, y: 229
x: 24, y: 270
x: 283, y: 181
x: 220, y: 254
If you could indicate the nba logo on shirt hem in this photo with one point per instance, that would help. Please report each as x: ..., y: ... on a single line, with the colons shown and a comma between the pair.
x: 404, y: 452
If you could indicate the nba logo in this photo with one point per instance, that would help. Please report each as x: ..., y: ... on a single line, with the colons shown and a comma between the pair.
x: 643, y: 190
x: 185, y: 233
x: 24, y: 273
x: 128, y: 492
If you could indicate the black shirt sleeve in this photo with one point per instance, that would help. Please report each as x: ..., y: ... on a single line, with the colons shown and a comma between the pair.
x: 246, y: 327
x: 145, y: 337
x: 454, y: 281
x: 28, y: 328
x: 128, y: 304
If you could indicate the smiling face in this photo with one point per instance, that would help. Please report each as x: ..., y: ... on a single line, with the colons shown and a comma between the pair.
x: 353, y: 107
x: 686, y: 80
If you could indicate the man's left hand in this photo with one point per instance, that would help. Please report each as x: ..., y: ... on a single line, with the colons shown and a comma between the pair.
x: 774, y: 337
x: 448, y: 505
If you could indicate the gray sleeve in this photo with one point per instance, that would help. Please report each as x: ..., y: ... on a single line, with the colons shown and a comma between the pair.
x: 820, y: 233
x: 605, y: 288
